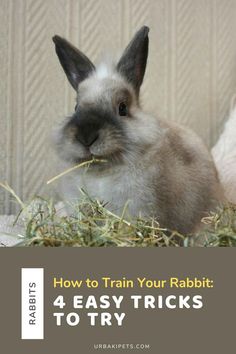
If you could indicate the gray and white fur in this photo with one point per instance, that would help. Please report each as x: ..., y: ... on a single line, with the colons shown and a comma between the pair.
x: 162, y: 170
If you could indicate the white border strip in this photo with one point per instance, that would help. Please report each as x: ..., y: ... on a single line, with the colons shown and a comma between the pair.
x: 32, y: 303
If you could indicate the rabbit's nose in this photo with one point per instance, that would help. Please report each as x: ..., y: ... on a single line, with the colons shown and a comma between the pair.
x: 87, y: 135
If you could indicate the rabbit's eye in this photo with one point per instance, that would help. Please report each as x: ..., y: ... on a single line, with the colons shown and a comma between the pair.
x: 123, y: 111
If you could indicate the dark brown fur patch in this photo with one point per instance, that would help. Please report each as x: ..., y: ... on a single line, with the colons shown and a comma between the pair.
x: 181, y: 151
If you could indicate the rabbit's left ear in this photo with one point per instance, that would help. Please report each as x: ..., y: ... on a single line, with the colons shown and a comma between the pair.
x: 133, y: 61
x: 75, y: 64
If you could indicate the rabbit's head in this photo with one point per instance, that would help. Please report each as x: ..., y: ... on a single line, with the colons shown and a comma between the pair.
x: 107, y: 122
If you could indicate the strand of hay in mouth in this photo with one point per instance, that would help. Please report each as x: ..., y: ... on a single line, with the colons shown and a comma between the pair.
x: 91, y: 224
x: 71, y: 169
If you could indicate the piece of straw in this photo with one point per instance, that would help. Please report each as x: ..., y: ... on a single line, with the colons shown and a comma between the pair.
x: 74, y: 168
x: 11, y: 191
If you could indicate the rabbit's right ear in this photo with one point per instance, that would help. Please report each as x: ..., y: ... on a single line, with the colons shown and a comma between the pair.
x: 132, y: 64
x: 75, y: 64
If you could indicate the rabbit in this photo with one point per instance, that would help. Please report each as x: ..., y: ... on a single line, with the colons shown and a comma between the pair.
x: 156, y: 168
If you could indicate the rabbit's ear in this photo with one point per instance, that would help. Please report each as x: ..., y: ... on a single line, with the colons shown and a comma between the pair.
x: 133, y: 61
x: 75, y: 64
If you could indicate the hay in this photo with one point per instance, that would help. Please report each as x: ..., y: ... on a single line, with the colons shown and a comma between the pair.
x: 71, y: 169
x: 91, y: 224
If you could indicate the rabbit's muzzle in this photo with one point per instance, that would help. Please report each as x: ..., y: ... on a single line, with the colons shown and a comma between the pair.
x: 96, y: 134
x: 88, y: 133
x: 85, y: 128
